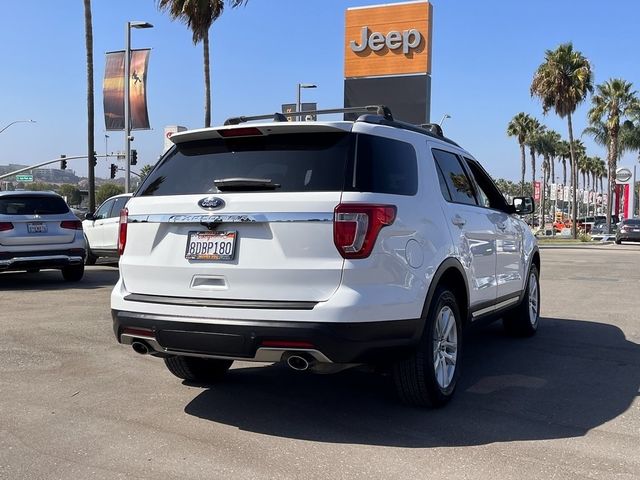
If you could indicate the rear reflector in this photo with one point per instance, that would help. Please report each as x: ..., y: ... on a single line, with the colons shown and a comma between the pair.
x: 240, y: 132
x: 138, y: 332
x: 122, y: 232
x: 4, y: 226
x: 356, y: 227
x: 285, y: 344
x: 71, y: 224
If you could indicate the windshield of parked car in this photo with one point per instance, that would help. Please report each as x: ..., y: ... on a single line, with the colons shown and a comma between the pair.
x: 32, y: 205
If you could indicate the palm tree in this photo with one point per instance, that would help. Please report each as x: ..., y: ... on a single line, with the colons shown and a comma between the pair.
x: 613, y: 101
x: 562, y: 82
x: 599, y: 171
x: 533, y: 142
x: 199, y: 15
x: 546, y: 145
x: 88, y: 39
x: 552, y: 143
x: 579, y: 151
x: 582, y: 166
x: 563, y: 150
x: 519, y: 127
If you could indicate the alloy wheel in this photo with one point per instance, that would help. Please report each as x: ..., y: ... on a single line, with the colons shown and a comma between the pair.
x: 445, y: 347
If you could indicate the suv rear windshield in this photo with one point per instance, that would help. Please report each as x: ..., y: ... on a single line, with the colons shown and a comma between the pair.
x: 631, y: 221
x: 32, y: 205
x: 299, y: 162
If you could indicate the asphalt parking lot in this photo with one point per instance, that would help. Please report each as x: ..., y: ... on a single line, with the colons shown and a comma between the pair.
x: 76, y: 405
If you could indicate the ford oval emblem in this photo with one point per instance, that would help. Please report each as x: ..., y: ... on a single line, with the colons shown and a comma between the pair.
x: 211, y: 203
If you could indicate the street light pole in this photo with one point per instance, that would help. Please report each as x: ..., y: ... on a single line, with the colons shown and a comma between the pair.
x: 299, y: 101
x: 14, y: 122
x: 127, y: 120
x: 127, y: 100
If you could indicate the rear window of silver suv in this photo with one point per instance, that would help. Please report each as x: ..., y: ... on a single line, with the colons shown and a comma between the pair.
x: 32, y: 205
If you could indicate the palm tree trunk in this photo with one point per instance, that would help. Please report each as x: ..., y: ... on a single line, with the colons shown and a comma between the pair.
x: 574, y: 180
x: 523, y: 167
x: 553, y: 170
x: 88, y: 37
x: 533, y: 168
x: 564, y: 171
x: 207, y: 81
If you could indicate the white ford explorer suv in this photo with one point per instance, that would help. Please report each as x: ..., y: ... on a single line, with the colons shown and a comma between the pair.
x: 323, y: 245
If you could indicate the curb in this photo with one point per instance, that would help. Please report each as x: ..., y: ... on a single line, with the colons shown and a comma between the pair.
x: 577, y: 245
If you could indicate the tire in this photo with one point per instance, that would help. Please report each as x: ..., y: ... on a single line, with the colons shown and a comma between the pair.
x: 73, y: 273
x: 196, y: 369
x: 90, y: 259
x: 618, y: 242
x: 428, y: 377
x: 523, y: 320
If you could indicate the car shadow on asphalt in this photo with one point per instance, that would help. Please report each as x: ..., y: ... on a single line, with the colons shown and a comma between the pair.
x: 570, y: 378
x: 94, y: 277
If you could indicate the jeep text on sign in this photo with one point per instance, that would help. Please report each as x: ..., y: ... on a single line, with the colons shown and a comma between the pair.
x: 388, y: 40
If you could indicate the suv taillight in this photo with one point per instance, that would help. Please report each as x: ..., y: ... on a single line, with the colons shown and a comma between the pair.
x: 122, y: 232
x: 4, y: 226
x: 356, y: 227
x: 71, y: 224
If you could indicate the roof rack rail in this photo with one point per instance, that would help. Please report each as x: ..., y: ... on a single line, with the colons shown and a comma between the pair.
x: 381, y: 110
x: 430, y: 129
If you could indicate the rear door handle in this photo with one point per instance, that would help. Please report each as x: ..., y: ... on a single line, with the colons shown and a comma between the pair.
x: 458, y: 221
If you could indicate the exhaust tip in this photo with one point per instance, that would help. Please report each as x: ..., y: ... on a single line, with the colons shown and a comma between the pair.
x: 140, y: 347
x: 298, y: 363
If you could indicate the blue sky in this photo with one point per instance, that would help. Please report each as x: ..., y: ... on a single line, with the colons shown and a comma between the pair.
x: 484, y: 55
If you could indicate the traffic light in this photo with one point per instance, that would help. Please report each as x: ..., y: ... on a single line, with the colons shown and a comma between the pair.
x: 95, y: 158
x: 134, y: 156
x: 114, y: 170
x: 63, y: 162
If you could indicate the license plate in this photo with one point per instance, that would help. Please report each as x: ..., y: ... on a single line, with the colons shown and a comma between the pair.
x: 212, y: 246
x: 37, y: 227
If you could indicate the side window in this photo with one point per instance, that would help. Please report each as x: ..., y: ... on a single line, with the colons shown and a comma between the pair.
x: 103, y: 211
x: 489, y: 194
x: 384, y: 165
x: 118, y: 205
x: 455, y: 177
x: 443, y: 184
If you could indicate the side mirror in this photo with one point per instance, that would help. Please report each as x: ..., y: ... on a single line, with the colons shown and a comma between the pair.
x: 89, y: 216
x: 523, y: 205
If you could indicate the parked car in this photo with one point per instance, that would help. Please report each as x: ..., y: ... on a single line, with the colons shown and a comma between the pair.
x: 101, y: 228
x: 322, y: 245
x: 37, y: 231
x: 628, y: 231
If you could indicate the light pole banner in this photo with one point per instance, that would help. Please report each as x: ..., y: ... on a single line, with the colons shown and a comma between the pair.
x: 536, y: 191
x: 113, y: 90
x: 553, y: 192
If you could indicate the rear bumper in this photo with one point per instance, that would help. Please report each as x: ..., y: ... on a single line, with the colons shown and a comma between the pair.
x: 24, y: 260
x: 356, y: 342
x: 628, y: 236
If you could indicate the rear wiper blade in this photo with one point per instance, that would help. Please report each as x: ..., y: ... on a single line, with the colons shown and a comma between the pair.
x: 241, y: 183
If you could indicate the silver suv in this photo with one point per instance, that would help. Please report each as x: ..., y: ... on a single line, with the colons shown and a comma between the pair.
x: 37, y: 230
x: 323, y: 245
